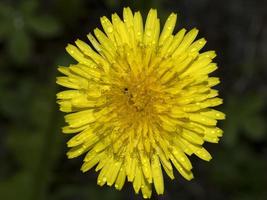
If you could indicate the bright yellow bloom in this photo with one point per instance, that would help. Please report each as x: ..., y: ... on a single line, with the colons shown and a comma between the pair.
x: 140, y: 101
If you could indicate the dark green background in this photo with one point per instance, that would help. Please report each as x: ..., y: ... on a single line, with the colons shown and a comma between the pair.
x: 33, y: 35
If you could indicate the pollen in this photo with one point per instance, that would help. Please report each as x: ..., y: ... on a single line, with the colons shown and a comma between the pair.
x: 140, y: 101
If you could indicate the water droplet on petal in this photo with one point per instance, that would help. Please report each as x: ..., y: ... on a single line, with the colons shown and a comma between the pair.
x: 169, y: 27
x: 148, y: 33
x: 110, y: 30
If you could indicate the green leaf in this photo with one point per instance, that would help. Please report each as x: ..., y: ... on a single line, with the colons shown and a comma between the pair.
x: 29, y: 7
x: 244, y: 116
x: 10, y: 104
x: 230, y: 131
x: 44, y: 25
x: 26, y: 146
x: 6, y: 12
x: 16, y: 187
x: 255, y: 127
x: 4, y: 30
x: 88, y: 191
x: 19, y: 46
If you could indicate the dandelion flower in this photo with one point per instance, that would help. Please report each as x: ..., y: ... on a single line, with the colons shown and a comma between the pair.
x: 140, y: 101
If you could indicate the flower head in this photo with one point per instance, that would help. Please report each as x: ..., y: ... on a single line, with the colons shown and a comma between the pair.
x: 140, y: 101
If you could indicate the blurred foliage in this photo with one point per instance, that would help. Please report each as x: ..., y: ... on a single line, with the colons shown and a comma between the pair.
x: 245, y: 118
x: 33, y: 35
x: 20, y: 22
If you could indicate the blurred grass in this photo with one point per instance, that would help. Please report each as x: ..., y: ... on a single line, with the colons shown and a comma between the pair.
x: 33, y: 35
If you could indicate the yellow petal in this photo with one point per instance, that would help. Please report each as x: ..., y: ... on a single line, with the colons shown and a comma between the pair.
x: 187, y: 40
x: 137, y: 179
x: 157, y: 174
x: 120, y: 179
x: 168, y: 28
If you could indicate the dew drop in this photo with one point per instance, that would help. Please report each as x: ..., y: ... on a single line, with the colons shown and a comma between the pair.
x: 218, y: 131
x: 148, y: 33
x: 193, y: 49
x: 110, y: 29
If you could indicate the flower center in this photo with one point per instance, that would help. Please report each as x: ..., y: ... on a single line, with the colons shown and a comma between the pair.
x: 135, y: 97
x: 138, y: 97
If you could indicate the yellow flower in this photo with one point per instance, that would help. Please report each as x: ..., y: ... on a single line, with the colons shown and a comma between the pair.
x: 140, y: 101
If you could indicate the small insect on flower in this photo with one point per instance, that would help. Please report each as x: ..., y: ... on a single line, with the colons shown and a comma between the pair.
x: 140, y: 101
